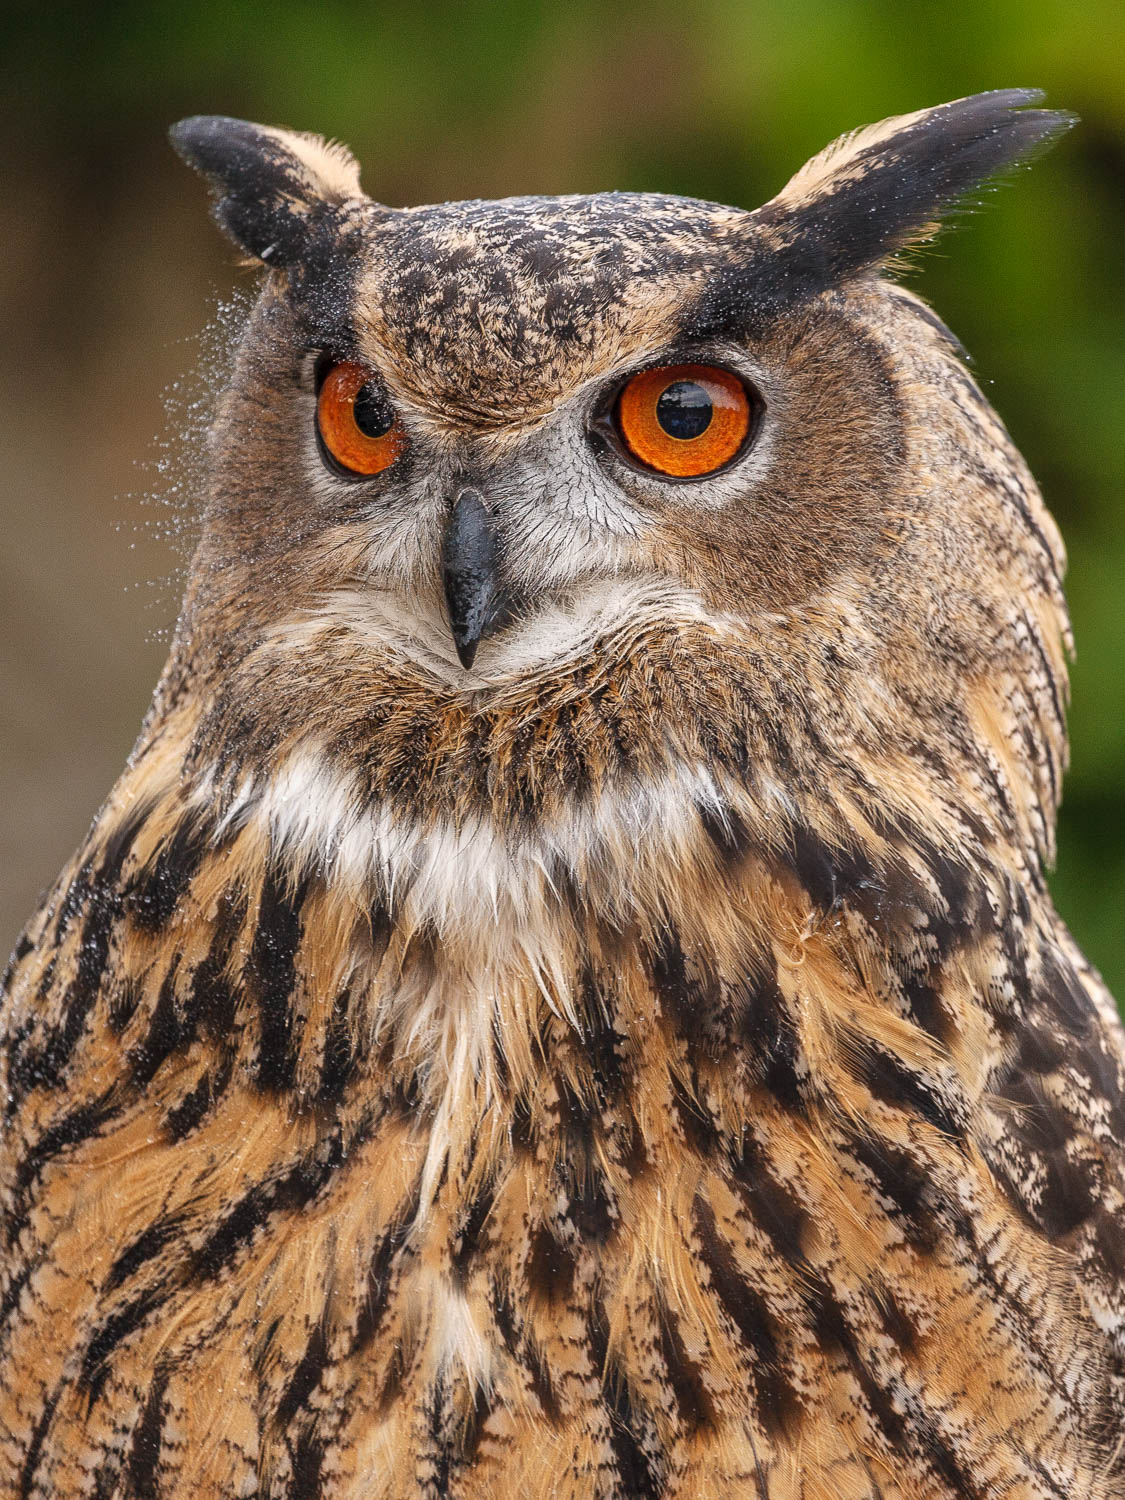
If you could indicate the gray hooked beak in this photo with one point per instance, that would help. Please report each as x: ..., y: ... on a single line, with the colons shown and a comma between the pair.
x: 470, y: 574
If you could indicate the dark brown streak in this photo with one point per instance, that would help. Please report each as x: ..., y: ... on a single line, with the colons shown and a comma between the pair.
x: 144, y: 1452
x: 779, y: 1405
x: 273, y: 963
x: 35, y: 1448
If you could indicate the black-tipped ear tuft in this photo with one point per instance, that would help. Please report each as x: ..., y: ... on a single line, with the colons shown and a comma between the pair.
x: 882, y: 188
x: 273, y: 188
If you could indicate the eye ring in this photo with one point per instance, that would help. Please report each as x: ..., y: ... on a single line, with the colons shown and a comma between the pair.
x: 355, y: 422
x: 684, y: 421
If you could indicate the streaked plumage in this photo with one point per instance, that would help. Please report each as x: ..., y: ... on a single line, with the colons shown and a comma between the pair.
x: 646, y: 1063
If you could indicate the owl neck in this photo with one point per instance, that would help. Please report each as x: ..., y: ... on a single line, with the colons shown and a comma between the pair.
x: 349, y: 952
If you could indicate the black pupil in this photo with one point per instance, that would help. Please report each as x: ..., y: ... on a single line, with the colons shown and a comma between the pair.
x: 685, y: 410
x: 373, y: 415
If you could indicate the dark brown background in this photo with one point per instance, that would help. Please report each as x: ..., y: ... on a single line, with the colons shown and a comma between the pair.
x: 111, y: 269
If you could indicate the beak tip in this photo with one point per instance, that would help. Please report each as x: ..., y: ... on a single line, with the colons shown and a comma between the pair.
x: 467, y: 652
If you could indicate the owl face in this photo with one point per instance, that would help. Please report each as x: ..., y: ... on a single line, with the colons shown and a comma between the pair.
x: 559, y: 364
x: 478, y: 446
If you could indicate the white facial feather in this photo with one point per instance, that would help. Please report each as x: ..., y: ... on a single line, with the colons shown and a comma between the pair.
x: 560, y: 629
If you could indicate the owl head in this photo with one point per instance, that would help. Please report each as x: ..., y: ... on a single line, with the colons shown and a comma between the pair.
x: 647, y: 481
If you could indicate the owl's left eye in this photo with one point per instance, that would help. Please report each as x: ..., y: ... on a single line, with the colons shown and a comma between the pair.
x: 356, y: 422
x: 684, y: 421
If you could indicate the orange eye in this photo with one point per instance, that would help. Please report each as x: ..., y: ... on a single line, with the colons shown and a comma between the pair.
x: 684, y: 420
x: 356, y: 422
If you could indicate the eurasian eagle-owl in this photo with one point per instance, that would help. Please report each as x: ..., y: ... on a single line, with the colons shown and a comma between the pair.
x: 563, y: 1000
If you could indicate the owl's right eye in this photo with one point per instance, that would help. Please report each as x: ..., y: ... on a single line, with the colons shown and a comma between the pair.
x: 356, y: 423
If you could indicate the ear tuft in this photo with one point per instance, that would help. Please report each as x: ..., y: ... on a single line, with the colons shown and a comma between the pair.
x: 876, y: 191
x: 272, y: 187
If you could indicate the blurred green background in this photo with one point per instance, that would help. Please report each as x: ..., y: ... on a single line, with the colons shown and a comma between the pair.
x: 112, y: 268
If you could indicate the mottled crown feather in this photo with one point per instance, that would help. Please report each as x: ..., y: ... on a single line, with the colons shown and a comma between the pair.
x: 271, y: 186
x: 285, y: 197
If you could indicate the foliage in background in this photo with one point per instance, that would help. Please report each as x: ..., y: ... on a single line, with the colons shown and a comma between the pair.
x: 719, y: 99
